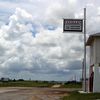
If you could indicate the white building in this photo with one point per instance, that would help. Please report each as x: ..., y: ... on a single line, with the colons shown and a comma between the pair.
x: 94, y: 72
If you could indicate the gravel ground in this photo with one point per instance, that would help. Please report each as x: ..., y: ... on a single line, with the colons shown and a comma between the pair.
x: 20, y: 93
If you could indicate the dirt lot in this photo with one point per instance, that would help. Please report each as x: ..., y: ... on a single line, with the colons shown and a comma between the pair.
x: 26, y: 93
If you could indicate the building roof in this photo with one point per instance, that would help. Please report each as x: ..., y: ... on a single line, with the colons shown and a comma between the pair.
x: 91, y: 38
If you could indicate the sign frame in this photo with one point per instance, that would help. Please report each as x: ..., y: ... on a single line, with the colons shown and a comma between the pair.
x: 74, y: 25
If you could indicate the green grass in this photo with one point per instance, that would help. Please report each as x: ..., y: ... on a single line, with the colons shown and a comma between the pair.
x: 25, y: 84
x: 78, y: 96
x: 37, y: 84
x: 72, y: 85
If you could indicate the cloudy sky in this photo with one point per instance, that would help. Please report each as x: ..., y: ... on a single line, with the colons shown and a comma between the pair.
x: 32, y: 42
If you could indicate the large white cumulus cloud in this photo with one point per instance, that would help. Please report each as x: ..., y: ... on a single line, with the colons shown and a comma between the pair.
x: 32, y: 44
x: 49, y: 52
x: 15, y: 42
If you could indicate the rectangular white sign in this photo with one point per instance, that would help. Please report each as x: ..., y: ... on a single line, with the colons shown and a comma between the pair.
x: 72, y: 25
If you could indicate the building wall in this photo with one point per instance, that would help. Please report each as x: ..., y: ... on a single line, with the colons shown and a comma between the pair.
x: 96, y: 58
x: 97, y: 50
x: 92, y: 50
x: 96, y: 82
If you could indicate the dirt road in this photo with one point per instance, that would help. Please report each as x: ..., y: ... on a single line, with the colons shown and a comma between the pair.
x: 20, y: 93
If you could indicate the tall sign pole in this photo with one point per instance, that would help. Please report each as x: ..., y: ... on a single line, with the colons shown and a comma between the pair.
x: 85, y: 49
x: 76, y: 25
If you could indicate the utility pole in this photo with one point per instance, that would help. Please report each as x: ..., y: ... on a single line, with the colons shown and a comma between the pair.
x: 84, y: 49
x: 83, y: 74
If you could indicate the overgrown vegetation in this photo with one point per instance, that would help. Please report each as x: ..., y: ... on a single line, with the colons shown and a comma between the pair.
x: 6, y: 82
x: 85, y: 96
x: 72, y: 84
x: 25, y: 84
